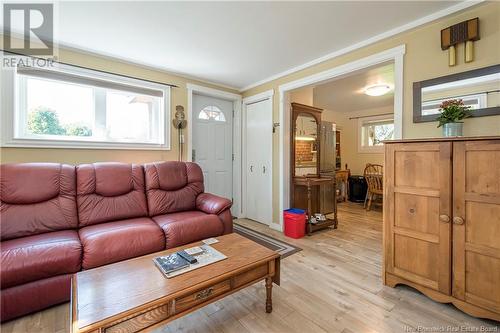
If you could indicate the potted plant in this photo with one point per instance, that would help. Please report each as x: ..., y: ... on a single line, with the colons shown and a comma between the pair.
x: 451, y: 113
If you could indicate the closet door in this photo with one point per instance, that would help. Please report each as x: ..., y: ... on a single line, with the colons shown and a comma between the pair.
x: 258, y: 134
x: 476, y: 223
x: 417, y: 210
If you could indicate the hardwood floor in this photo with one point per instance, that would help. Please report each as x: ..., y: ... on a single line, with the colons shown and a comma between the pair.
x: 333, y: 285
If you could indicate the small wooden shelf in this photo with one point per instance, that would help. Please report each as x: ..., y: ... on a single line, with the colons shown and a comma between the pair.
x: 321, y: 225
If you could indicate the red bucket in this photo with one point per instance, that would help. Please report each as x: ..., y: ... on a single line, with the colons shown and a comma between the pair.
x: 295, y: 223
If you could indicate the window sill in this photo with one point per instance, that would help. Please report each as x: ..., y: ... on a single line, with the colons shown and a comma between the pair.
x: 64, y: 144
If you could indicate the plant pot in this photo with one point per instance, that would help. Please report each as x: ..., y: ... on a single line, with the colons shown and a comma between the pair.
x: 453, y: 129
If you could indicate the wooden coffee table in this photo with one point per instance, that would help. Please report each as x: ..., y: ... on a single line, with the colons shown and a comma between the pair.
x: 133, y: 295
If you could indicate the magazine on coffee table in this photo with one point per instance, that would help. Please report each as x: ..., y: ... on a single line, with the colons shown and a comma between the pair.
x: 204, y: 254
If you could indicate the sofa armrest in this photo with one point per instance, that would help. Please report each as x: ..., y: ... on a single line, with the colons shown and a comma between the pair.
x: 212, y: 204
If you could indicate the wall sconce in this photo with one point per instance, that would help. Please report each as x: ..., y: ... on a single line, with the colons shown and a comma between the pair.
x: 464, y: 32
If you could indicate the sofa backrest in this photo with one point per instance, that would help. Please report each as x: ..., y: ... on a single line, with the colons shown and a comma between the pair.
x: 172, y: 186
x: 109, y: 191
x: 36, y: 198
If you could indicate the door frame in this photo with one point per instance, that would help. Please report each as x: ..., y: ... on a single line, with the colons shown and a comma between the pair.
x: 395, y: 54
x: 268, y: 94
x: 236, y: 99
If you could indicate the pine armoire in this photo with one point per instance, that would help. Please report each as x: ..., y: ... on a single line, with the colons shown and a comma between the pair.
x: 442, y: 220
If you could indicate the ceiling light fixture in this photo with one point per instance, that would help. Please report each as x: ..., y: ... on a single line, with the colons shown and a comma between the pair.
x: 377, y: 90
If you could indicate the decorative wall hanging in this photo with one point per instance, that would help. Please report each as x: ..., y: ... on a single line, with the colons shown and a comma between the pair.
x: 464, y: 32
x: 180, y: 122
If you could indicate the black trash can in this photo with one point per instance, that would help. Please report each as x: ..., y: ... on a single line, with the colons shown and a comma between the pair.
x: 357, y: 188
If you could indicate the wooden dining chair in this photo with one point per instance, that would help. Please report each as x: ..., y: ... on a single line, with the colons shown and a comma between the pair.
x: 373, y: 174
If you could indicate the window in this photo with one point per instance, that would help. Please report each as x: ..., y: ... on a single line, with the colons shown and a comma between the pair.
x: 474, y: 101
x: 373, y: 131
x: 211, y: 113
x: 68, y: 106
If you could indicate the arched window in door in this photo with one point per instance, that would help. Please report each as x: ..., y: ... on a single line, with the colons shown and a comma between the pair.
x: 212, y: 112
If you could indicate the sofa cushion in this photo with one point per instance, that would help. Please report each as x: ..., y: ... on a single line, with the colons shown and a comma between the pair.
x: 110, y: 191
x: 41, y: 256
x: 36, y: 198
x: 187, y: 227
x: 172, y: 186
x: 35, y: 296
x: 114, y: 241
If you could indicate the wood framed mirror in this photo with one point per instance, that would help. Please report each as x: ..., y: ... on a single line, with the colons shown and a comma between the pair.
x: 305, y: 143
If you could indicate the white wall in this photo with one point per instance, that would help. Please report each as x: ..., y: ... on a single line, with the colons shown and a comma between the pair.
x: 303, y: 96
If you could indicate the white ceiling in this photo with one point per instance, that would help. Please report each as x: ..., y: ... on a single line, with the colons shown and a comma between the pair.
x: 347, y: 94
x: 231, y: 43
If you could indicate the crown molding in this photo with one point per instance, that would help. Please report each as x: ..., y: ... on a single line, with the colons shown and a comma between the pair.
x: 408, y: 26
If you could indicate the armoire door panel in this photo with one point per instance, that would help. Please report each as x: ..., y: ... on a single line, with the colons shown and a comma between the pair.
x: 483, y: 224
x: 482, y: 276
x: 416, y: 256
x: 413, y: 168
x: 481, y: 176
x: 418, y: 193
x: 476, y: 241
x: 415, y: 212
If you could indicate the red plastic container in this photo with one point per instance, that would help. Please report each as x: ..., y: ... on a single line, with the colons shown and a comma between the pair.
x: 295, y: 223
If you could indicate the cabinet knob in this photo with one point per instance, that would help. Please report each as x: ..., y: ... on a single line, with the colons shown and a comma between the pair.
x: 444, y: 218
x: 458, y: 220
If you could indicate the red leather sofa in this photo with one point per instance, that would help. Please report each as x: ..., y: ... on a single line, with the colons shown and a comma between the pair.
x: 57, y: 219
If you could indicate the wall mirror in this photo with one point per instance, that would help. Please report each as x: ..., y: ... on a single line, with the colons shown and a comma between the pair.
x: 479, y: 88
x: 306, y: 145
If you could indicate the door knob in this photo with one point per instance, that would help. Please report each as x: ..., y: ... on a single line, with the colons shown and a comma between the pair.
x: 251, y: 168
x: 444, y: 218
x: 263, y: 169
x: 458, y: 220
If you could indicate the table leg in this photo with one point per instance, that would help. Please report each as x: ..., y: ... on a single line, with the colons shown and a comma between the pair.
x: 269, y: 294
x: 309, y: 209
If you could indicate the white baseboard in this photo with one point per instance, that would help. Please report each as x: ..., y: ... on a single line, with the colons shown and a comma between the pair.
x: 276, y: 226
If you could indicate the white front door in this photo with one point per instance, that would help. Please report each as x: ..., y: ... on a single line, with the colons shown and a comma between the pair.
x: 258, y: 138
x: 213, y: 143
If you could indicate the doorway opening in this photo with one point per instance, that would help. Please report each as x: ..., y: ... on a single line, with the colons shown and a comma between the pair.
x: 359, y: 108
x: 394, y: 56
